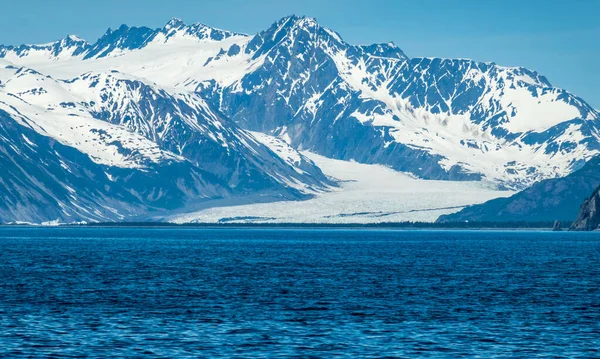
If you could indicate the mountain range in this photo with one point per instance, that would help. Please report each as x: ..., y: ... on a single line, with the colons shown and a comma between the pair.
x: 147, y: 121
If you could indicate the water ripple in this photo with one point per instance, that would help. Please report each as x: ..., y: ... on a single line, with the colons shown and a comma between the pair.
x: 90, y: 292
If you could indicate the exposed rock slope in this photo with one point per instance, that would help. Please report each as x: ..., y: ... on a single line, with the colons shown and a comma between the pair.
x: 549, y: 200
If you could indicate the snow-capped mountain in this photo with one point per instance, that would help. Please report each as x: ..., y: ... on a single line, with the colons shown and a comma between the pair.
x: 237, y: 108
x: 436, y: 118
x: 162, y: 149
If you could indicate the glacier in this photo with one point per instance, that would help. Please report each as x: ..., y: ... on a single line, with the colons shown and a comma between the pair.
x: 366, y: 194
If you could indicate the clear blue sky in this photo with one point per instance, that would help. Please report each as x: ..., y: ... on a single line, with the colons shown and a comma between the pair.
x: 560, y: 39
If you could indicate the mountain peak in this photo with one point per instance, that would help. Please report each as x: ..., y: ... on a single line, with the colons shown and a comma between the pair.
x: 110, y: 31
x: 306, y: 21
x: 124, y: 38
x: 174, y: 23
x: 299, y: 21
x: 74, y: 38
x: 384, y: 50
x: 197, y: 30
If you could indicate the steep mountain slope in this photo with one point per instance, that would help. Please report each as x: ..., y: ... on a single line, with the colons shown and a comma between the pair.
x: 549, y: 200
x: 44, y: 180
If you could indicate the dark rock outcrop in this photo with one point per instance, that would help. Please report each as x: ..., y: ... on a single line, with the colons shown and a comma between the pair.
x: 557, y: 226
x: 589, y: 215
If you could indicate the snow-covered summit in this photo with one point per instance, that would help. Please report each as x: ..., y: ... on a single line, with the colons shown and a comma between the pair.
x: 201, y: 32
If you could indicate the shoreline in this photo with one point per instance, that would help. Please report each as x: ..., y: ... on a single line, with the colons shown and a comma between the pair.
x: 471, y: 226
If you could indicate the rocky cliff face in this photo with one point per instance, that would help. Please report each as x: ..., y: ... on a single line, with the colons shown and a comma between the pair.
x: 589, y: 216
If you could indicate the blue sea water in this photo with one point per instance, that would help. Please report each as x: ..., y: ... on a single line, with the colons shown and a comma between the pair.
x: 176, y: 293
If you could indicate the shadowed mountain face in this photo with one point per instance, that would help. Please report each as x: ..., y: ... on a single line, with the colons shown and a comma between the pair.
x: 181, y: 100
x: 553, y: 199
x: 44, y: 180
